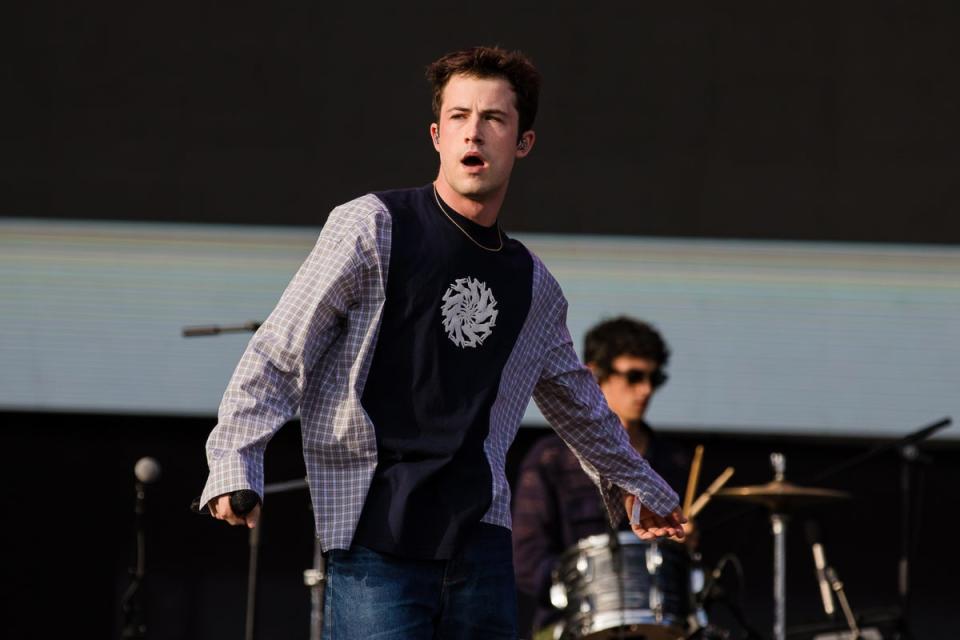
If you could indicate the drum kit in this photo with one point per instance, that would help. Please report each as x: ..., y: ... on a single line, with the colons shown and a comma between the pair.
x: 614, y: 585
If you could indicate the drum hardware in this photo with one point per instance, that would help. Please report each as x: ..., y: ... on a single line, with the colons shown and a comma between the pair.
x: 781, y: 497
x: 616, y: 585
x: 625, y: 587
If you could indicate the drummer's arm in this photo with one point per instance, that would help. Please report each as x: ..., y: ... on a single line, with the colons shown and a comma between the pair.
x: 535, y: 529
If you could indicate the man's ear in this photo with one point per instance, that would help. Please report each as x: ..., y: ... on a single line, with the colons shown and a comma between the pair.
x: 525, y: 144
x: 435, y: 135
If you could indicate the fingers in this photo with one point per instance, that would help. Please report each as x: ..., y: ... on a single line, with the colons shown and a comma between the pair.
x: 677, y: 522
x: 676, y: 518
x: 253, y: 517
x: 221, y: 510
x: 653, y: 525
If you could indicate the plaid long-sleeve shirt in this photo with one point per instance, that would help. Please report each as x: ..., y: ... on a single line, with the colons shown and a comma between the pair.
x: 313, y: 353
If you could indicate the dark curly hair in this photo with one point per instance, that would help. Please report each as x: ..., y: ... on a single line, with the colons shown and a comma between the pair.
x: 490, y: 62
x: 623, y: 336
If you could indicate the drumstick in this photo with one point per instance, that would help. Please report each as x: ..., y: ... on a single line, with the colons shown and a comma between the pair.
x: 693, y: 479
x: 704, y: 498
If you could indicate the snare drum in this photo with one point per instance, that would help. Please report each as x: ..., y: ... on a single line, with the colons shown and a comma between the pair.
x: 629, y: 589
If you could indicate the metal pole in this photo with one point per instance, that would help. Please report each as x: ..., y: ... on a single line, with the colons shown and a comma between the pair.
x: 315, y: 579
x: 778, y: 522
x: 250, y: 625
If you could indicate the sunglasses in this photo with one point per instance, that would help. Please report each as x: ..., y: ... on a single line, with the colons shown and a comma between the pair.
x: 656, y: 378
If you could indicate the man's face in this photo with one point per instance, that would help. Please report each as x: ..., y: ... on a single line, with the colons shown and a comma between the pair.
x: 477, y: 136
x: 629, y: 401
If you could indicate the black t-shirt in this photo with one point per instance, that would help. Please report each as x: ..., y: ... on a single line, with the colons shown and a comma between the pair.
x: 451, y: 317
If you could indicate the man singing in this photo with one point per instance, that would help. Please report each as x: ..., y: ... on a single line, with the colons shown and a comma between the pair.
x: 410, y: 342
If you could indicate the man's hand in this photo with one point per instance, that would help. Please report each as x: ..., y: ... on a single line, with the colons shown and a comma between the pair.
x: 654, y: 526
x: 221, y: 510
x: 691, y: 536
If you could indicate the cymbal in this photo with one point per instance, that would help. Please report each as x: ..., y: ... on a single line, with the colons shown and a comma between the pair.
x: 781, y: 495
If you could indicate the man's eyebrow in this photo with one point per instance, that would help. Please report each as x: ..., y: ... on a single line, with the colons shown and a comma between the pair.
x: 500, y: 112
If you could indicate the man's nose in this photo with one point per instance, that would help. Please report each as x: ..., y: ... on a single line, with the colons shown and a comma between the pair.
x: 644, y: 388
x: 473, y: 131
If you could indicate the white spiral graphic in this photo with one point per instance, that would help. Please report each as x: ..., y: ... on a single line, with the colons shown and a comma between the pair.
x: 469, y: 312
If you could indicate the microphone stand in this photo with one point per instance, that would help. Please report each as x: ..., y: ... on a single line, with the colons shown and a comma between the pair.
x: 910, y: 458
x: 249, y: 632
x: 133, y: 626
x: 314, y: 578
x: 277, y: 487
x: 216, y: 329
x: 837, y: 586
x: 250, y: 620
x: 250, y: 623
x: 910, y: 507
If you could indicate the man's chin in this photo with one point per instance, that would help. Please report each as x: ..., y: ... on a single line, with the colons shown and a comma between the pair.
x: 474, y: 187
x: 473, y: 190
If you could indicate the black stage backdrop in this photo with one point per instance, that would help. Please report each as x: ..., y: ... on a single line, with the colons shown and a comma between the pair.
x: 749, y: 119
x: 70, y: 527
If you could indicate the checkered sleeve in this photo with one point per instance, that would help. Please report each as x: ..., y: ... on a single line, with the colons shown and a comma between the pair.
x: 266, y: 388
x: 570, y: 399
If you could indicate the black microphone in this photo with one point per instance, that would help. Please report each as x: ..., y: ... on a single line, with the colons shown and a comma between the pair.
x: 242, y: 503
x: 820, y: 562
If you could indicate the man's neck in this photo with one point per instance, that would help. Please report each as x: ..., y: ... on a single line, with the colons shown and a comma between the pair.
x: 483, y: 212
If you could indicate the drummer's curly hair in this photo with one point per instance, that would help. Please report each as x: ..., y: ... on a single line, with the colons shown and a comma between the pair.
x: 623, y: 336
x: 490, y: 62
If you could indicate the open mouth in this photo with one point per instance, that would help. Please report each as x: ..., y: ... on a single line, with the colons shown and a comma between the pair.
x: 472, y: 160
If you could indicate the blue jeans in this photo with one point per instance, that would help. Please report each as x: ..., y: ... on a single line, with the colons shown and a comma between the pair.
x: 375, y: 596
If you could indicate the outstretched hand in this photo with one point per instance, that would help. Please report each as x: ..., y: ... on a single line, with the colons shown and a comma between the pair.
x: 653, y: 525
x: 221, y: 510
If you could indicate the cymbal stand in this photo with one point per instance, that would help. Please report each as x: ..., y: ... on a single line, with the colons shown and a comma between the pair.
x: 778, y: 525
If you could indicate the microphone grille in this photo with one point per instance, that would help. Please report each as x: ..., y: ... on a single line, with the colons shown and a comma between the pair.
x: 147, y: 470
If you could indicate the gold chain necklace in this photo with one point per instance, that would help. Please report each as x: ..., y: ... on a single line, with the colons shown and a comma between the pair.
x: 464, y: 231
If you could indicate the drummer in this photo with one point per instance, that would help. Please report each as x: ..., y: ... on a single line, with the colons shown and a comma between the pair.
x: 555, y: 502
